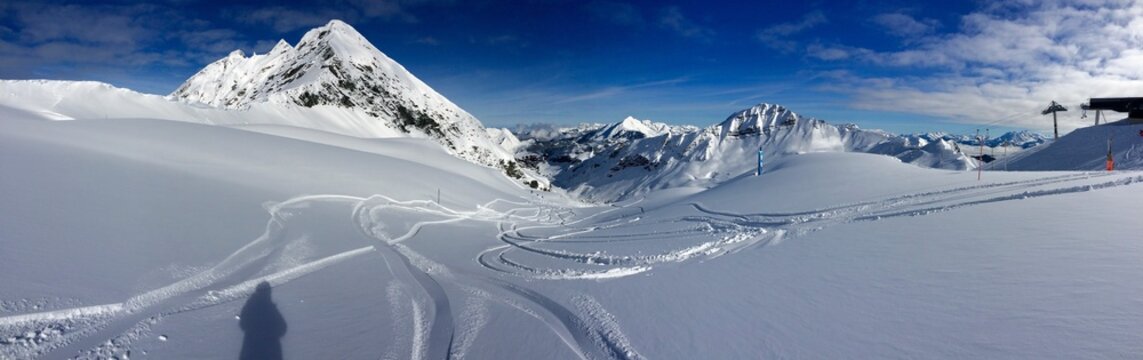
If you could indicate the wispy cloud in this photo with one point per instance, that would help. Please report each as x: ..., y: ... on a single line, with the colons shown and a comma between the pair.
x: 835, y: 52
x: 1009, y: 59
x: 54, y: 35
x: 905, y: 26
x: 612, y: 91
x: 672, y: 18
x: 780, y: 36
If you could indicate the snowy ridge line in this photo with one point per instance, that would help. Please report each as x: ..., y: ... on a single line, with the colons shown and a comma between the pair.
x: 617, y: 168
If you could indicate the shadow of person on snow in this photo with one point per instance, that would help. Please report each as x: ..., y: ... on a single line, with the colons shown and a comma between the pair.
x: 264, y: 326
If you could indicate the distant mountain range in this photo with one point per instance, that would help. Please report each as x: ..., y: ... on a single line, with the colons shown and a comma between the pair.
x: 1022, y: 139
x: 629, y: 158
x: 334, y: 80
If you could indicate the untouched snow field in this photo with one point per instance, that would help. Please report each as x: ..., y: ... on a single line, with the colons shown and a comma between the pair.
x: 150, y: 239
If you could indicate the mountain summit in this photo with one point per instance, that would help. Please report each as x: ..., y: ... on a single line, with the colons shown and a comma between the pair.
x: 335, y: 66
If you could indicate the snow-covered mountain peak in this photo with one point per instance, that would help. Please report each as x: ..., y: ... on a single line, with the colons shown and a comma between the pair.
x: 345, y: 42
x: 334, y: 66
x: 756, y: 119
x: 331, y: 65
x: 281, y: 47
x: 236, y: 55
x: 631, y: 128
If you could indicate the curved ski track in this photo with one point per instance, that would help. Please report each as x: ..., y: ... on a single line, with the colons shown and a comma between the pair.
x: 109, y: 330
x: 106, y: 330
x: 720, y: 232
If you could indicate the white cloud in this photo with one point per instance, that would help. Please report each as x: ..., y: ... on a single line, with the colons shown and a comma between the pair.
x: 672, y: 18
x: 778, y: 36
x: 905, y: 26
x: 1008, y: 61
x: 835, y: 52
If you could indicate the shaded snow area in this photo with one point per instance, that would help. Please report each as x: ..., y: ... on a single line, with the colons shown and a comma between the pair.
x: 170, y: 240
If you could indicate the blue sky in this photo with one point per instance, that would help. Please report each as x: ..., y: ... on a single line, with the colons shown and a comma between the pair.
x: 903, y: 66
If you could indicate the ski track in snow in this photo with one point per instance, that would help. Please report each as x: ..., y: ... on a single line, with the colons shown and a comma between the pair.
x: 110, y: 330
x: 79, y: 330
x: 107, y: 330
x: 582, y: 337
x: 718, y: 233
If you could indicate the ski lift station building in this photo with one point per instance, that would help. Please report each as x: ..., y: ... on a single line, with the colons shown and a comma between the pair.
x: 1133, y: 106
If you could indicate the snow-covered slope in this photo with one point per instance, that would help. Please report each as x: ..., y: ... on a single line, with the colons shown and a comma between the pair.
x: 630, y: 158
x: 86, y: 100
x: 1084, y: 149
x: 174, y: 240
x: 334, y: 66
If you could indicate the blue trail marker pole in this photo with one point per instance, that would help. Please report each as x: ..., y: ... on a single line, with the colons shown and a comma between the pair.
x: 759, y: 171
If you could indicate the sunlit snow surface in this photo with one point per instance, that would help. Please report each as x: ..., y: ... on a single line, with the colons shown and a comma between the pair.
x: 146, y: 238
